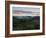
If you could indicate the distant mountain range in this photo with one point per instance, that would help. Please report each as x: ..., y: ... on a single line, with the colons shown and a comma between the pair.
x: 27, y: 17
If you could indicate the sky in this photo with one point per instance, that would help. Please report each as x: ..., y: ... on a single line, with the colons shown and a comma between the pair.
x: 27, y: 9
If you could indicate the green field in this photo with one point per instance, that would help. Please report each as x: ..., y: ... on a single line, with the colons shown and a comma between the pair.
x: 26, y: 22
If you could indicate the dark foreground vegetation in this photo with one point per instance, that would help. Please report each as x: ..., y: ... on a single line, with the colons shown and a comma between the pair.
x: 26, y: 23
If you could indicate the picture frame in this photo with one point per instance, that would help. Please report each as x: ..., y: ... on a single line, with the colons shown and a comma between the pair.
x: 16, y: 10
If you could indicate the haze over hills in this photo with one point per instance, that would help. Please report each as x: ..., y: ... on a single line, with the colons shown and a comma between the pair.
x: 27, y: 17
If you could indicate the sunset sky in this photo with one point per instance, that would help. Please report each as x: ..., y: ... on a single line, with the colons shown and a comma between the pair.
x: 26, y: 9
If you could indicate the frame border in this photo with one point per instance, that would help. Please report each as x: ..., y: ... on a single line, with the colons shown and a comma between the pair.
x: 7, y: 18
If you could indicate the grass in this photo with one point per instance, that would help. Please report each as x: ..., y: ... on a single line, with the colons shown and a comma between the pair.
x: 26, y: 24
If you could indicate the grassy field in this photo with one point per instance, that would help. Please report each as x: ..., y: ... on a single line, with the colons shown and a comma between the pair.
x: 26, y: 22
